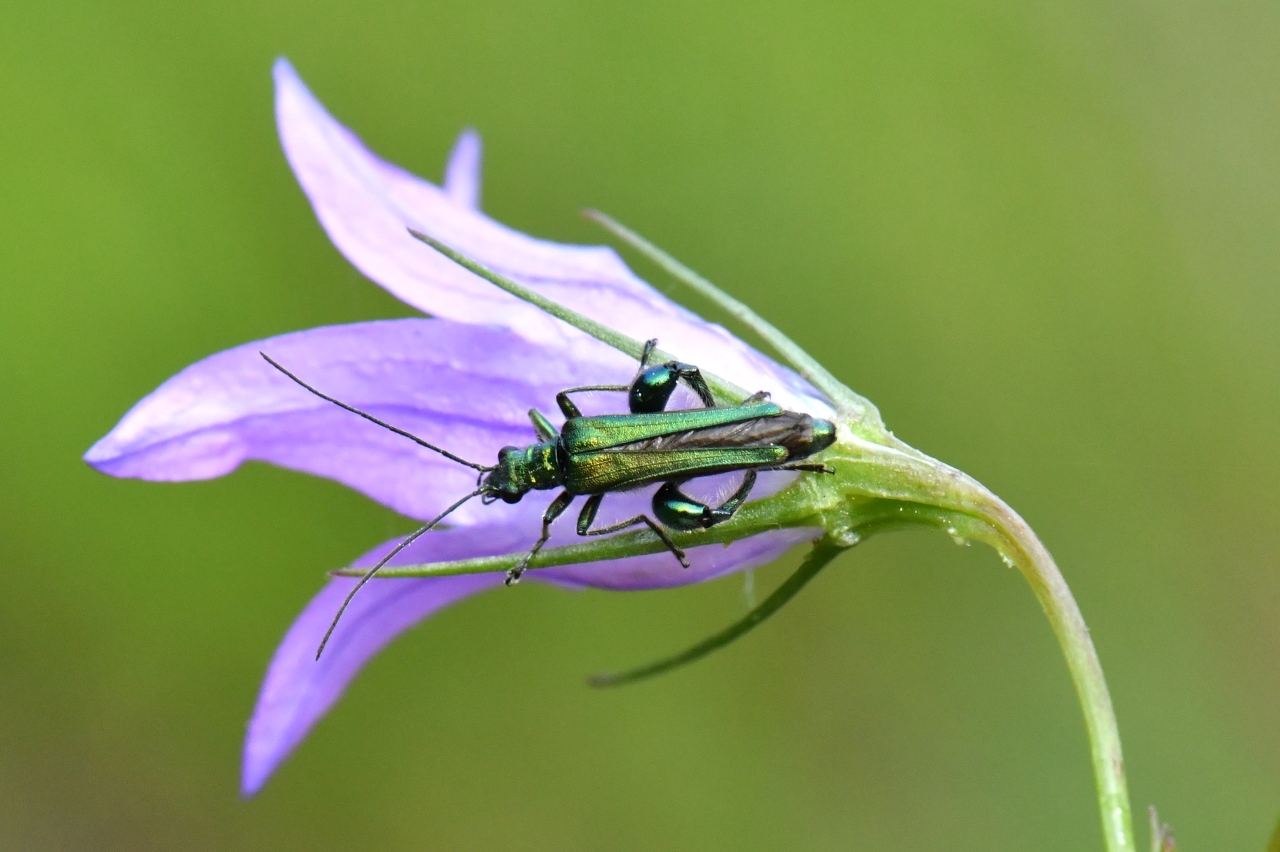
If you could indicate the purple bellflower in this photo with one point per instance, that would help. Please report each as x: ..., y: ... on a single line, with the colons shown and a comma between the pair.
x: 465, y: 379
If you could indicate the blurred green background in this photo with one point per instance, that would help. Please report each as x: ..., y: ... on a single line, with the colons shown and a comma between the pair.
x: 1041, y: 237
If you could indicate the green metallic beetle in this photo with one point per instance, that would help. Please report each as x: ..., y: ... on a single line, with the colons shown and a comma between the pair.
x: 598, y: 455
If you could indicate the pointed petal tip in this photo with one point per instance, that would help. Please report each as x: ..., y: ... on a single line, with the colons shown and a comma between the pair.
x: 251, y: 781
x: 291, y: 88
x: 282, y: 70
x: 110, y: 457
x: 462, y: 171
x: 259, y: 761
x: 97, y: 455
x: 106, y: 458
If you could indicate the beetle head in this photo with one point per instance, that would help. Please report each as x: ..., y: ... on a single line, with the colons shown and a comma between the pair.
x: 509, y: 480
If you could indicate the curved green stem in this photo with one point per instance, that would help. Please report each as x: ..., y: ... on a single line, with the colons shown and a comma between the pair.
x: 880, y: 483
x: 1018, y: 544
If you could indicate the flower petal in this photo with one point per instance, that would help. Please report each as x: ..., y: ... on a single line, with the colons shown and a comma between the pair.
x: 661, y: 571
x: 298, y: 690
x: 366, y: 205
x: 465, y: 388
x: 462, y: 171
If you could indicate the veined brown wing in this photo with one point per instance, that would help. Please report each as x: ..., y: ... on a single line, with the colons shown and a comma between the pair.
x: 789, y: 429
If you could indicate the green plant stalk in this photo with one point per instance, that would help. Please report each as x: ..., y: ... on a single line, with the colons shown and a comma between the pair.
x: 1016, y: 542
x: 880, y: 484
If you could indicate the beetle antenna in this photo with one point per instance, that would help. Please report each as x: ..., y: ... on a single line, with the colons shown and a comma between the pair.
x: 384, y: 560
x: 373, y: 419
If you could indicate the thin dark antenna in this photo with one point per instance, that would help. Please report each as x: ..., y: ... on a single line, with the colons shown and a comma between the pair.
x: 375, y: 569
x: 373, y: 419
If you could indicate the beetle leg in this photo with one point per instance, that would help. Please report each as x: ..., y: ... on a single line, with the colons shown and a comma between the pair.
x: 555, y: 510
x: 567, y: 406
x: 679, y: 511
x: 588, y: 516
x: 653, y: 386
x: 649, y: 346
x: 730, y: 507
x: 693, y: 377
x: 546, y: 431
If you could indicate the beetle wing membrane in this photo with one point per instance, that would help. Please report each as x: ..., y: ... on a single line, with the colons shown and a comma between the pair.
x: 788, y: 429
x: 683, y: 398
x: 716, y: 488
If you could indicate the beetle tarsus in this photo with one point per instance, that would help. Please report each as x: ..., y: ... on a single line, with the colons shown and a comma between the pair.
x: 649, y: 346
x: 555, y: 510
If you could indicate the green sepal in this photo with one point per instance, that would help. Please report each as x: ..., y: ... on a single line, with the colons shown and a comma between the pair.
x: 724, y: 389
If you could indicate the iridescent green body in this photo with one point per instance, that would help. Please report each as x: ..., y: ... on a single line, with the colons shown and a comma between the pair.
x: 611, y: 452
x: 594, y: 456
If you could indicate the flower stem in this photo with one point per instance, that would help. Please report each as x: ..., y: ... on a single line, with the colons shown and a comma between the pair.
x: 889, y: 485
x: 1019, y: 545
